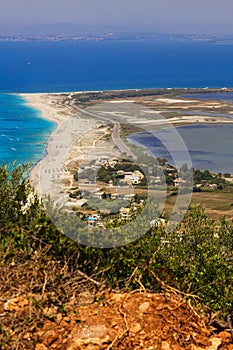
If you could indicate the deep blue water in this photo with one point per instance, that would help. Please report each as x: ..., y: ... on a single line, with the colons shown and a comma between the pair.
x: 69, y: 66
x: 23, y: 132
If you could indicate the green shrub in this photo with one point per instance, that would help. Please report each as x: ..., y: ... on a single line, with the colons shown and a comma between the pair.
x: 196, y: 259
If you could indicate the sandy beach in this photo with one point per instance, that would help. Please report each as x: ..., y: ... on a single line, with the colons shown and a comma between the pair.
x: 50, y: 106
x: 77, y: 137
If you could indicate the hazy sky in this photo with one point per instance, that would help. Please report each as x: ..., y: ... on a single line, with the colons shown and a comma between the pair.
x: 177, y: 16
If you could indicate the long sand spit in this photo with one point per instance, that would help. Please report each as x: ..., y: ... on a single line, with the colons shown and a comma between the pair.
x: 72, y: 124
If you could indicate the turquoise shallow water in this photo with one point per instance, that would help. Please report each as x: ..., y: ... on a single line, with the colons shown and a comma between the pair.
x: 23, y: 132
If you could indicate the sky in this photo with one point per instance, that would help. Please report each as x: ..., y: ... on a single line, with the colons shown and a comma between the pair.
x: 164, y: 16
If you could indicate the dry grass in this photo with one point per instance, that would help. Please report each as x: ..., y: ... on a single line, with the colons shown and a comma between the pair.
x: 216, y: 204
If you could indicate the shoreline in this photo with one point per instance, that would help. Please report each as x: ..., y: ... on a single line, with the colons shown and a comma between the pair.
x: 51, y: 168
x: 52, y: 107
x: 49, y: 108
x: 204, y: 90
x: 45, y: 104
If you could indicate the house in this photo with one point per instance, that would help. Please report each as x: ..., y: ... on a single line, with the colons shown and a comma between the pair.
x: 80, y: 203
x: 120, y: 172
x: 125, y: 213
x: 139, y: 174
x: 112, y: 163
x: 178, y: 182
x: 128, y: 177
x: 115, y: 195
x: 156, y: 179
x: 170, y: 168
x: 99, y: 195
x: 116, y: 160
x: 211, y: 186
x: 91, y: 222
x: 158, y: 222
x: 199, y: 185
x: 133, y: 177
x: 96, y: 216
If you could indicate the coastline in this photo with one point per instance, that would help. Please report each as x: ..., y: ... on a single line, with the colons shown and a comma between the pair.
x: 57, y: 107
x: 49, y: 172
x: 47, y: 105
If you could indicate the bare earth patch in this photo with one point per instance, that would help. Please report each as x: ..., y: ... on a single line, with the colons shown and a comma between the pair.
x: 137, y: 320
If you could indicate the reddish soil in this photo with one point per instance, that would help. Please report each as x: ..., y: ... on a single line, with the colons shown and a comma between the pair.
x: 134, y: 321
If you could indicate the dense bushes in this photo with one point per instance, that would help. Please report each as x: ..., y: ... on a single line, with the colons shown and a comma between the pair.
x: 196, y: 259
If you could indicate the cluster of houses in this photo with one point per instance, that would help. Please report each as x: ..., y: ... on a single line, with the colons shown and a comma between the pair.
x: 179, y: 182
x: 208, y: 186
x: 106, y: 162
x: 131, y: 177
x: 113, y: 196
x: 125, y: 179
x: 95, y: 220
x: 125, y: 214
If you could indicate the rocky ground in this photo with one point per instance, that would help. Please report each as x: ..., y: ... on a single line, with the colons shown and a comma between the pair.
x: 137, y: 320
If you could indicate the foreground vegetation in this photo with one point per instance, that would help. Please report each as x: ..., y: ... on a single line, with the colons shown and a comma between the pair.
x: 195, y: 260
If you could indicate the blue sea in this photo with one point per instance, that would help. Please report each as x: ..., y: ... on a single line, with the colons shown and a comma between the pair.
x: 78, y: 66
x: 23, y: 132
x: 85, y: 66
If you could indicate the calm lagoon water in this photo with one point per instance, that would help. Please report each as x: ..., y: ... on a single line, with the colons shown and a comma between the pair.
x: 223, y: 96
x: 210, y: 146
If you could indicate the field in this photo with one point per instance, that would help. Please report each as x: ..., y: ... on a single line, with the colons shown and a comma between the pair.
x: 217, y: 204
